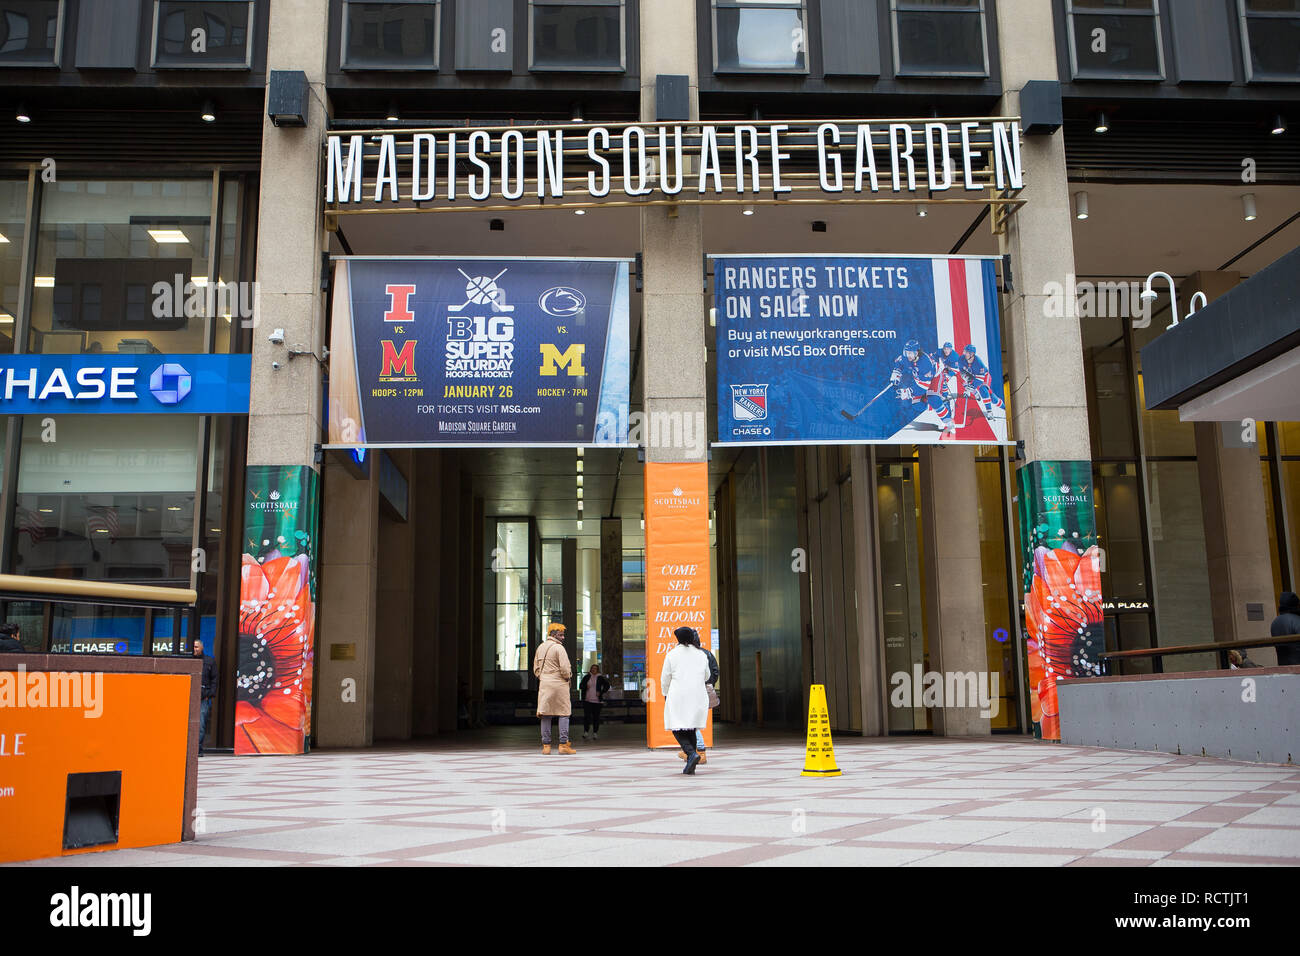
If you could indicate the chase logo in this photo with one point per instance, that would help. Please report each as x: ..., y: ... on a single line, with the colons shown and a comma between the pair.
x: 170, y: 383
x: 562, y: 301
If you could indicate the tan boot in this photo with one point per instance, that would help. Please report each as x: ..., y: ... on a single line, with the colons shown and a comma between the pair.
x: 546, y: 748
x: 703, y: 758
x: 566, y: 749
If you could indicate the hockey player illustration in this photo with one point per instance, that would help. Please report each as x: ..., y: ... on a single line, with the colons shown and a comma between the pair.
x: 950, y: 358
x: 977, y: 382
x: 918, y: 379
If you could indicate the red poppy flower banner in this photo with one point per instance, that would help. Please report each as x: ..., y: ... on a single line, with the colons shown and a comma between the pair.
x: 277, y: 610
x: 1062, y: 582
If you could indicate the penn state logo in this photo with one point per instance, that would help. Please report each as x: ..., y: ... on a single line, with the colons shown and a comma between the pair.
x: 749, y: 402
x: 562, y: 301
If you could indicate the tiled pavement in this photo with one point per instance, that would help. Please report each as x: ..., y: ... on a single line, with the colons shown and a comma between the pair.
x: 491, y: 798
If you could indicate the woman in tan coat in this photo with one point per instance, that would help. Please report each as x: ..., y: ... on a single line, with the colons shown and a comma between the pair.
x: 553, y: 672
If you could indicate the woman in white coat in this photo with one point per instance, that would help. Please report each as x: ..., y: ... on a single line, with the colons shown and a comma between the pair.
x: 686, y: 702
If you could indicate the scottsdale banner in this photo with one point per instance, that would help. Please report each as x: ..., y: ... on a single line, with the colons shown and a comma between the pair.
x: 277, y: 610
x: 677, y: 588
x: 1062, y: 582
x: 479, y: 352
x: 858, y: 349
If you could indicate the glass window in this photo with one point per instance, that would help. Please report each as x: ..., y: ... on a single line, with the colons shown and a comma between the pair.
x: 1110, y: 399
x: 401, y: 35
x: 759, y: 36
x: 998, y: 625
x: 940, y: 38
x: 30, y: 618
x: 97, y: 629
x: 102, y: 251
x: 576, y: 36
x: 1270, y: 32
x: 13, y: 228
x: 1116, y: 39
x: 199, y: 34
x: 30, y: 32
x: 107, y: 499
x: 902, y: 574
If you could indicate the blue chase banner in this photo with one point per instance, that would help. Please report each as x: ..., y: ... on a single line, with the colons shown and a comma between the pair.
x: 124, y: 383
x: 436, y: 351
x: 858, y: 349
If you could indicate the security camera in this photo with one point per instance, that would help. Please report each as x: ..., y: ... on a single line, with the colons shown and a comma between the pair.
x: 276, y: 366
x: 276, y: 337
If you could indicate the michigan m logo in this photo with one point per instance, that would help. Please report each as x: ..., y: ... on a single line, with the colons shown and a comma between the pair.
x: 553, y: 360
x: 398, y: 363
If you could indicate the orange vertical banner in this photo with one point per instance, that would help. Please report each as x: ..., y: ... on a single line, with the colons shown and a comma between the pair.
x: 677, y: 586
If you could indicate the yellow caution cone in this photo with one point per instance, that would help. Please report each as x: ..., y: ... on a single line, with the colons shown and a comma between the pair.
x: 819, y: 758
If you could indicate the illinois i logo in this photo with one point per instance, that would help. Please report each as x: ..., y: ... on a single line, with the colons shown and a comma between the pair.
x: 749, y: 402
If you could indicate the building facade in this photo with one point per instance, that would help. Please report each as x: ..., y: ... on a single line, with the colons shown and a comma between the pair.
x: 186, y: 142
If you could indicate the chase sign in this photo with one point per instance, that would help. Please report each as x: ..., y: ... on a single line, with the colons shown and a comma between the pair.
x: 124, y: 384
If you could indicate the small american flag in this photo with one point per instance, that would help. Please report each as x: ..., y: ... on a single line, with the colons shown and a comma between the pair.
x: 27, y: 521
x: 102, y: 519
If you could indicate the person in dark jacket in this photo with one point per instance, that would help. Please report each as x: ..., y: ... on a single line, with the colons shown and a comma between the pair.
x: 1286, y: 624
x: 713, y: 679
x: 207, y: 691
x: 593, y: 699
x: 9, y: 642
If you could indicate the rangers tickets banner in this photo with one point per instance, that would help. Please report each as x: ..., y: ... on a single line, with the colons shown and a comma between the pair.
x: 439, y: 351
x: 1062, y: 582
x: 858, y: 349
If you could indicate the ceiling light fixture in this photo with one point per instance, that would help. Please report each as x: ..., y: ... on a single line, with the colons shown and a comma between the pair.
x: 45, y: 282
x: 575, y: 114
x: 1248, y: 209
x: 166, y: 236
x: 1081, y: 205
x: 747, y: 209
x: 22, y: 115
x: 3, y: 239
x: 579, y: 524
x: 1102, y: 124
x: 921, y: 212
x: 580, y: 212
x: 393, y: 115
x: 209, y: 114
x: 1279, y: 125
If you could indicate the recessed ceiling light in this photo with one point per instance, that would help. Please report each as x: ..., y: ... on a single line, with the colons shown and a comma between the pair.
x: 45, y: 282
x: 747, y: 209
x: 173, y: 507
x: 580, y: 212
x: 6, y: 318
x: 3, y: 238
x: 922, y: 212
x: 165, y: 236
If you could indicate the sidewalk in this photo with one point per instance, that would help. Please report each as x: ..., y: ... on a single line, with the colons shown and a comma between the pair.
x: 490, y: 797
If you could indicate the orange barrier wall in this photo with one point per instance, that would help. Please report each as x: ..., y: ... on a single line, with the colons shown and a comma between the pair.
x: 677, y: 587
x: 143, y: 730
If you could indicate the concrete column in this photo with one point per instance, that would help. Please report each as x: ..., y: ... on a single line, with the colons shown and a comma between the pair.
x: 1233, y: 509
x: 871, y: 682
x: 1049, y: 407
x: 428, y: 549
x: 672, y: 303
x: 349, y: 564
x: 954, y: 591
x: 284, y: 421
x: 394, y: 623
x: 611, y: 596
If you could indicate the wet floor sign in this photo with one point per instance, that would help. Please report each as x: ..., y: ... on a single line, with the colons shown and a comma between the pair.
x: 819, y: 757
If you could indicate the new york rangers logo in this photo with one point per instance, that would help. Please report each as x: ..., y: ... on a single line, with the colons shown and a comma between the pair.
x: 749, y: 402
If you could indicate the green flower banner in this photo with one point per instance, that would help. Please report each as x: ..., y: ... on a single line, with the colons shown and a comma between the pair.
x: 277, y: 610
x: 1062, y: 582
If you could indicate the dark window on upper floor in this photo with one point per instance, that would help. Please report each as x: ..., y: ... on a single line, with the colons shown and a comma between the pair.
x: 587, y: 36
x: 759, y: 36
x: 30, y: 32
x: 401, y: 35
x: 1270, y: 31
x: 940, y: 37
x: 203, y: 34
x: 1115, y: 39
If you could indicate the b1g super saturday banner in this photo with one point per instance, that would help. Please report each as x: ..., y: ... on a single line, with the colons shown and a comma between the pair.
x: 277, y: 610
x: 441, y: 351
x: 1062, y: 582
x: 858, y: 349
